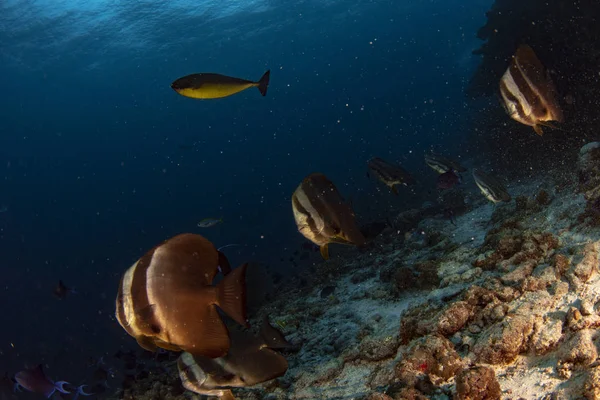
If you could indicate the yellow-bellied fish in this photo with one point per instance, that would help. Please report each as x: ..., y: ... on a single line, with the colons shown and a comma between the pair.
x: 528, y: 92
x: 215, y: 86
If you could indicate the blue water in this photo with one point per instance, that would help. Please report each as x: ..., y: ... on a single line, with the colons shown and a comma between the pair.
x: 100, y: 159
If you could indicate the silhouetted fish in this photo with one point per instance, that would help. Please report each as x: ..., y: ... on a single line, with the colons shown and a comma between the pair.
x: 491, y: 188
x: 61, y: 290
x: 528, y: 92
x: 322, y: 215
x: 214, y: 86
x: 391, y: 175
x: 167, y: 298
x: 36, y: 381
x: 441, y: 164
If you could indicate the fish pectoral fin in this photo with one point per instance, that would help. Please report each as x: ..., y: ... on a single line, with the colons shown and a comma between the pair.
x: 550, y: 125
x: 147, y: 343
x: 341, y: 240
x: 394, y: 190
x: 325, y: 251
x: 538, y: 129
x: 167, y: 346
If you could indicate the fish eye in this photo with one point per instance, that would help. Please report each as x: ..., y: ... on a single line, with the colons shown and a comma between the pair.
x: 155, y: 328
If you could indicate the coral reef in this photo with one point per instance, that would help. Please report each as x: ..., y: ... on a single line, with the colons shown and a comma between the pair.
x: 502, y: 304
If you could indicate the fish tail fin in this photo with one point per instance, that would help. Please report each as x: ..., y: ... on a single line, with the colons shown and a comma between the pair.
x: 263, y: 83
x: 231, y: 295
x: 60, y: 386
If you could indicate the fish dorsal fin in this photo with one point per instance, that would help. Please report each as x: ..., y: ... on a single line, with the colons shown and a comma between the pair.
x: 272, y: 337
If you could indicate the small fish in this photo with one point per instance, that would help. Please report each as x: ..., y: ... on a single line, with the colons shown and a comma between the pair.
x: 209, y: 222
x: 528, y: 92
x: 448, y: 180
x: 441, y: 164
x: 322, y: 215
x: 36, y: 381
x: 250, y: 361
x: 491, y: 188
x: 390, y: 174
x: 168, y: 299
x: 61, y: 290
x: 215, y: 86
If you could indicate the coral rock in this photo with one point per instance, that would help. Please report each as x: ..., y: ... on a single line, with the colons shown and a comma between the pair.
x: 435, y: 356
x: 547, y: 334
x: 503, y: 341
x: 478, y: 383
x: 579, y: 350
x: 455, y: 317
x: 591, y: 387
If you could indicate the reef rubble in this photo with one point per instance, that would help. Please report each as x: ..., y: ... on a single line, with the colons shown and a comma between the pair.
x: 504, y: 303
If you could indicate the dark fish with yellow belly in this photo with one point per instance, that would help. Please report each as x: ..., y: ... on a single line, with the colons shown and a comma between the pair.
x: 323, y: 216
x: 528, y: 92
x: 250, y: 361
x: 391, y: 175
x: 215, y: 86
x: 167, y: 298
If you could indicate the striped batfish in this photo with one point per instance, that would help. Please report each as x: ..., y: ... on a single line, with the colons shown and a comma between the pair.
x: 390, y: 174
x: 528, y: 92
x: 441, y: 164
x: 251, y: 360
x: 167, y: 298
x: 215, y: 86
x: 323, y: 216
x: 491, y: 188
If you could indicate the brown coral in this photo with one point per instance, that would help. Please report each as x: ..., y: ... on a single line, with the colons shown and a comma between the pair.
x: 434, y: 356
x: 503, y: 341
x: 477, y: 383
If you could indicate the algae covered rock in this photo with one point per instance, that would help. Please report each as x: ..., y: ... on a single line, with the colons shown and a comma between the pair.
x: 478, y: 383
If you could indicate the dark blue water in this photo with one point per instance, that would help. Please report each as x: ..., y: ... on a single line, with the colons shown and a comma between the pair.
x: 100, y: 160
